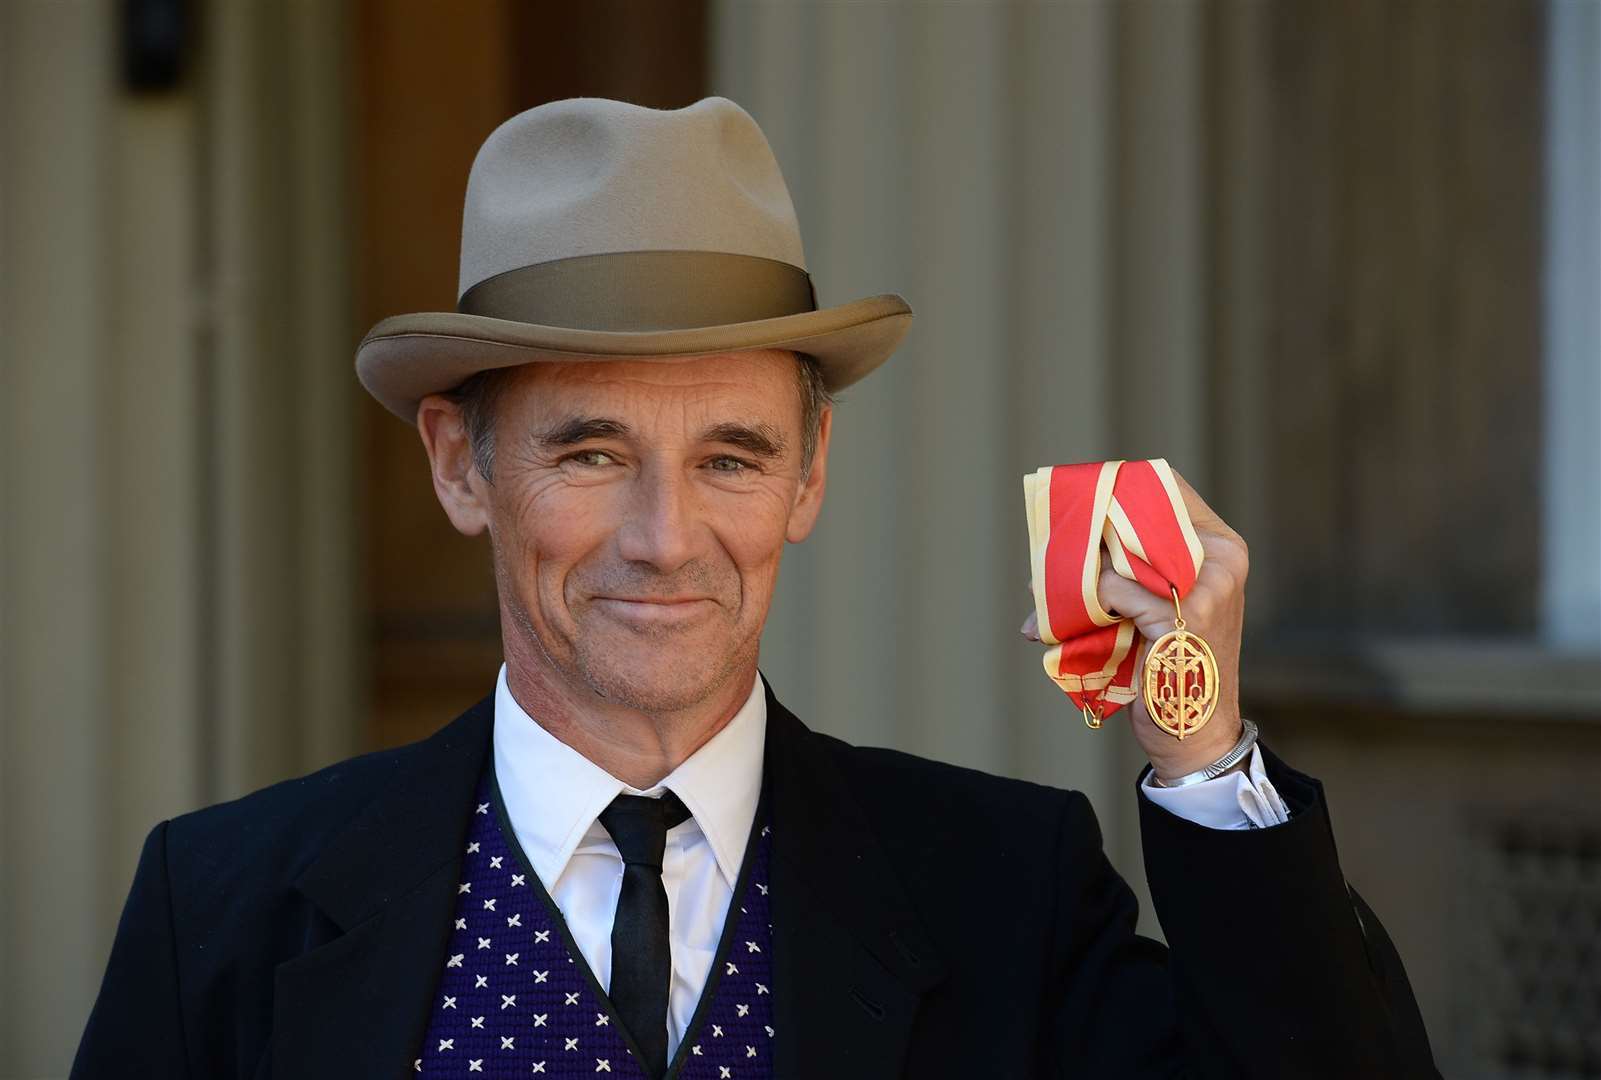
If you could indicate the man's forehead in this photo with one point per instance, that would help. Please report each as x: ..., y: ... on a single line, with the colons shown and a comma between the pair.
x: 754, y: 379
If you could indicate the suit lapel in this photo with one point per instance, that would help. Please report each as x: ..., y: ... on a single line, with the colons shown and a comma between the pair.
x: 355, y: 1006
x: 851, y: 959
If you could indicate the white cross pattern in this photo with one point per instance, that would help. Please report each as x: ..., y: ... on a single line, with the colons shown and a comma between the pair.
x: 484, y: 848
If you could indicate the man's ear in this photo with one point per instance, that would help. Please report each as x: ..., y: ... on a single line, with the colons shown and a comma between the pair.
x: 809, y: 498
x: 461, y: 491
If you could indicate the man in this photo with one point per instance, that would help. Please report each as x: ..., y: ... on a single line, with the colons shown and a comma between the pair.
x: 630, y: 858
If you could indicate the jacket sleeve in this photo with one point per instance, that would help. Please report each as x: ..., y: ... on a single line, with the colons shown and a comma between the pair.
x: 136, y: 1027
x: 1273, y: 968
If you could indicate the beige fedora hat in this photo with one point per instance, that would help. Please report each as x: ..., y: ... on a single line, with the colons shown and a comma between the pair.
x: 599, y: 230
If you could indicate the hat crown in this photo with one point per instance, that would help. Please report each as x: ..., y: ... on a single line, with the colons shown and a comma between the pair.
x: 592, y: 176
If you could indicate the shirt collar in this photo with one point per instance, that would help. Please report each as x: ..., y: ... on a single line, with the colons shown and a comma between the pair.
x: 553, y: 794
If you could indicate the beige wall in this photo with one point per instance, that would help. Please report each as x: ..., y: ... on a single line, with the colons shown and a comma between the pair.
x: 175, y: 610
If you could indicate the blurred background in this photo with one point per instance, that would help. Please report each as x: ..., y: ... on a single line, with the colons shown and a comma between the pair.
x: 1338, y: 262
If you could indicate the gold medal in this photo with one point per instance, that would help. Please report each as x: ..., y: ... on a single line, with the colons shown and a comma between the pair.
x: 1180, y: 679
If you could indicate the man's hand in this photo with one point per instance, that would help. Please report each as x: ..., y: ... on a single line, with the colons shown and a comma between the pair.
x: 1214, y: 610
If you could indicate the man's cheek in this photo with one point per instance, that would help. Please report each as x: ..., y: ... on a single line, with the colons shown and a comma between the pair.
x: 561, y: 531
x: 753, y: 532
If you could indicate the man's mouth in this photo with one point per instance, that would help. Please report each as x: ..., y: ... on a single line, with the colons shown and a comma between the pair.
x: 655, y: 610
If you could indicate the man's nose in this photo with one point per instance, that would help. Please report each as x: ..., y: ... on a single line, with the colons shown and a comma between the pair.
x: 661, y: 521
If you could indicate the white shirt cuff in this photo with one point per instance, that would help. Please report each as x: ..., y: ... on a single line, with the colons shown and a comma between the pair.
x: 1237, y: 800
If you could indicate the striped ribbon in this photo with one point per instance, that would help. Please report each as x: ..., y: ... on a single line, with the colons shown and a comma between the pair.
x: 1135, y: 510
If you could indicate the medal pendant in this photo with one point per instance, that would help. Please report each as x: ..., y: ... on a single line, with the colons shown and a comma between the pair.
x: 1180, y: 680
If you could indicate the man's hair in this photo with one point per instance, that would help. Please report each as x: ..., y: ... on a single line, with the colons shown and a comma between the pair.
x: 477, y: 396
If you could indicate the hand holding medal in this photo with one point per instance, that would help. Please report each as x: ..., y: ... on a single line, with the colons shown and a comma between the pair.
x: 1139, y: 589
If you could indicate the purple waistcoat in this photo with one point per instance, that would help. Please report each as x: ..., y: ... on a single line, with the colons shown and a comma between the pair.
x: 516, y: 997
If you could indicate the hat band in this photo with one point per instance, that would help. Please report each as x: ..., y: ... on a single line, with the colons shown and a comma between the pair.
x: 644, y: 290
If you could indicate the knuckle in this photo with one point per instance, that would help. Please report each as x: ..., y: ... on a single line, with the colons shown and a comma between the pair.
x: 1240, y: 543
x: 1229, y: 549
x: 1242, y: 568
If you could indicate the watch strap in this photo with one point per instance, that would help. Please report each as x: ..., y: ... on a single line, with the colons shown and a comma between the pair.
x: 1247, y: 740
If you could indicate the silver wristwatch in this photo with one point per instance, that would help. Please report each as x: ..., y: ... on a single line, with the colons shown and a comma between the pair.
x: 1222, y: 765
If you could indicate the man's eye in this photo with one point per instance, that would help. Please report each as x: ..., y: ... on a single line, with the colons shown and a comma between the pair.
x: 729, y: 464
x: 589, y: 457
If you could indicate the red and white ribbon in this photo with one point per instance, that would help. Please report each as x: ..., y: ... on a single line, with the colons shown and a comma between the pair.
x: 1134, y: 509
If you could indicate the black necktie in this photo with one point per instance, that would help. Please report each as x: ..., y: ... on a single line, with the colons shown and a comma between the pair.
x: 641, y: 960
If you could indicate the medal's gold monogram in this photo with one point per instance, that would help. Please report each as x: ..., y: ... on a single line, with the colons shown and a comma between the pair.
x: 1180, y: 679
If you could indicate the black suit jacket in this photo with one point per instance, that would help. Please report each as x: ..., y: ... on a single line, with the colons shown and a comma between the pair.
x: 929, y: 921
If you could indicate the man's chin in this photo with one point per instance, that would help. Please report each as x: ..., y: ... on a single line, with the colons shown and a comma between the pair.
x: 662, y: 682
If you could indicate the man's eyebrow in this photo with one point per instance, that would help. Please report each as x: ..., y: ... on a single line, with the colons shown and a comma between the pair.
x: 579, y: 429
x: 762, y: 440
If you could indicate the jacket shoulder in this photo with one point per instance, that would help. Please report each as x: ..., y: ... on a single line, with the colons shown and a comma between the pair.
x: 268, y: 836
x: 895, y: 785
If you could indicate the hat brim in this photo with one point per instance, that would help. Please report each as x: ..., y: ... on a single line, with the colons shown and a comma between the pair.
x: 405, y: 358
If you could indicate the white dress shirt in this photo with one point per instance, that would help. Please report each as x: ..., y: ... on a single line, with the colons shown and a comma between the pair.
x: 554, y: 795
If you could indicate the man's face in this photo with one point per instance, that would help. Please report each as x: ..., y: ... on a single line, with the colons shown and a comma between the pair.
x: 638, y: 513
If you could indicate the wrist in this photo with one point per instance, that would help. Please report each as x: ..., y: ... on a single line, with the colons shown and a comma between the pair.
x: 1233, y: 758
x: 1174, y: 757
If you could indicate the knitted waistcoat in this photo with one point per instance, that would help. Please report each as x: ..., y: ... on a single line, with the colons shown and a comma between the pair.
x: 516, y: 997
